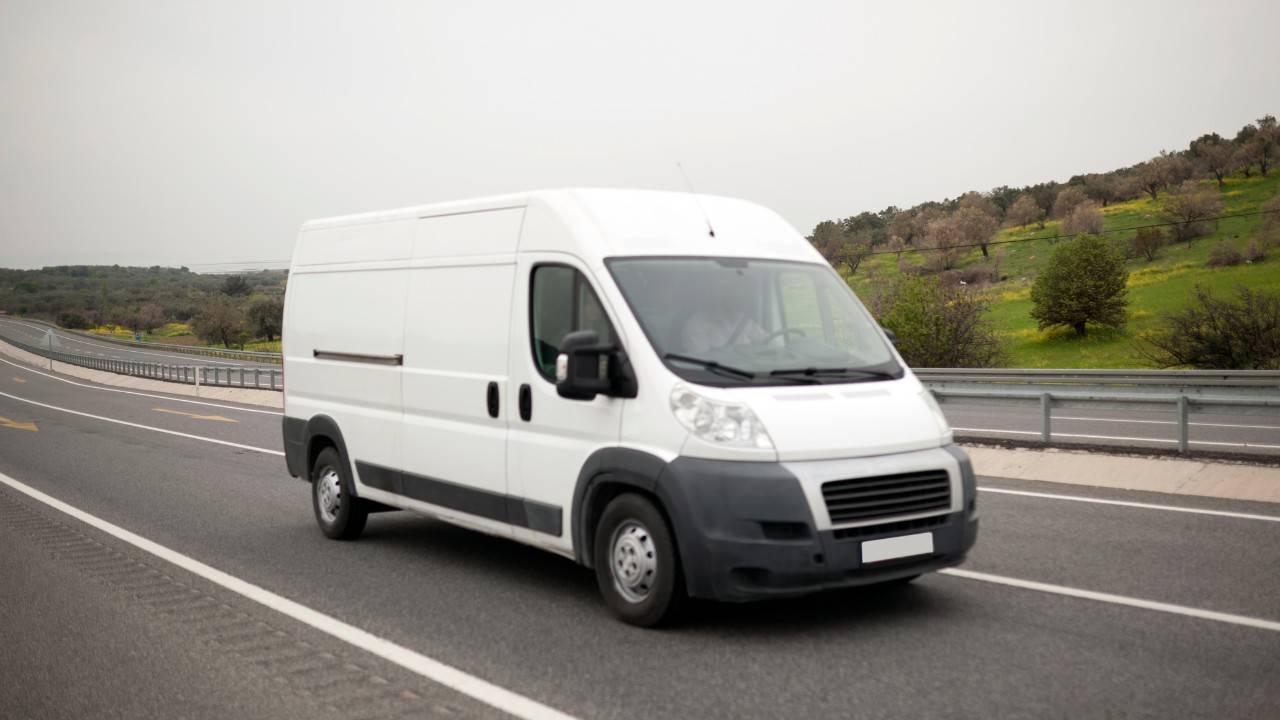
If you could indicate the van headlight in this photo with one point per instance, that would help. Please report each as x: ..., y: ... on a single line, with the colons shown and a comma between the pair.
x: 719, y: 422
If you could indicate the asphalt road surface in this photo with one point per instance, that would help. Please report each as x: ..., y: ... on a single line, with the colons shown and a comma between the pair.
x: 94, y: 626
x: 69, y: 342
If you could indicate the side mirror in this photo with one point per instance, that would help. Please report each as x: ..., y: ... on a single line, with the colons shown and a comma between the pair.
x: 893, y: 337
x: 585, y: 368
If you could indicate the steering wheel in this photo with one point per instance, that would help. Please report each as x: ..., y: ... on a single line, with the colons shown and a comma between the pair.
x: 780, y: 333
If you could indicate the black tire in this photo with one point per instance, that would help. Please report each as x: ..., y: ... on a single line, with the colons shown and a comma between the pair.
x: 346, y: 515
x: 641, y: 596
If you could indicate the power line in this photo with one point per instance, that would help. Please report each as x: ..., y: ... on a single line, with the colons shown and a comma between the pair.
x: 1071, y: 235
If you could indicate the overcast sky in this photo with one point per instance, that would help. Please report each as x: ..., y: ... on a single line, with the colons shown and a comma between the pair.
x: 190, y: 133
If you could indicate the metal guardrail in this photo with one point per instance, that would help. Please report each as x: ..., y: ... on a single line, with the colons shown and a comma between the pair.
x: 1261, y: 400
x: 241, y: 377
x: 247, y: 355
x: 1181, y: 382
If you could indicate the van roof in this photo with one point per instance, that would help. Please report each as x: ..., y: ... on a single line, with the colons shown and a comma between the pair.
x: 633, y: 222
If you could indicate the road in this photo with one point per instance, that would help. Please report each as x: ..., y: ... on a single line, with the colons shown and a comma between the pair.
x: 206, y: 482
x: 69, y: 342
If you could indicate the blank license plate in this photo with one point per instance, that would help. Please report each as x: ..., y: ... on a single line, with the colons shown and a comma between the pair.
x: 897, y: 547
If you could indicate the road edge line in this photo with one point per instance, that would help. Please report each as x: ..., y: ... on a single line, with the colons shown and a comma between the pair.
x: 1113, y: 599
x: 484, y: 691
x: 1129, y: 503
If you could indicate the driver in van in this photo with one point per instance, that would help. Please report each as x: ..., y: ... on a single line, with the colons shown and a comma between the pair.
x: 723, y: 317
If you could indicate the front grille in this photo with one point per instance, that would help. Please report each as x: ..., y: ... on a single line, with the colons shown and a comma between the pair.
x: 887, y: 496
x: 900, y: 526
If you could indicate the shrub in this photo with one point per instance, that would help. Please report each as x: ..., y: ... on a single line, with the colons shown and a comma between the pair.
x: 1083, y: 218
x: 1147, y: 242
x: 1191, y: 206
x: 1083, y: 282
x: 1223, y: 255
x: 937, y: 325
x: 1216, y: 334
x: 1253, y: 252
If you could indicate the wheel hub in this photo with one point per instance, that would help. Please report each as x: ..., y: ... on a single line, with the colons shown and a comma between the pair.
x: 329, y: 494
x: 634, y: 561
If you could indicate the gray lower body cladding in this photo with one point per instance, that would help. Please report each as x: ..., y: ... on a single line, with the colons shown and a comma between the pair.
x: 745, y: 532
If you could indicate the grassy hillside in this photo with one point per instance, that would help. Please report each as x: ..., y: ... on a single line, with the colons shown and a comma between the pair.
x: 1156, y: 288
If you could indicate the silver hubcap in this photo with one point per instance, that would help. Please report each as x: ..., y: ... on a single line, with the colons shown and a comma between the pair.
x: 635, y: 561
x: 329, y: 494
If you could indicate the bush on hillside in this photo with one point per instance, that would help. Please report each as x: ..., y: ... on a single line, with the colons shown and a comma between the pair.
x: 937, y: 325
x: 1083, y: 282
x: 1191, y: 206
x: 1253, y: 252
x: 1224, y: 255
x: 1147, y: 242
x: 1085, y: 217
x: 1217, y: 334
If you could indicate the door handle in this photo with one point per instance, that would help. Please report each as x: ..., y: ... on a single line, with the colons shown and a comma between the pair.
x: 492, y: 398
x: 526, y: 402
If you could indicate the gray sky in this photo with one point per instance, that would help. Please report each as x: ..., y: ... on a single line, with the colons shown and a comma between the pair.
x: 172, y: 133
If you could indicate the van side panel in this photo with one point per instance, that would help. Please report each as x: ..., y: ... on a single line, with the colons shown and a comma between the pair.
x: 456, y: 325
x: 343, y: 331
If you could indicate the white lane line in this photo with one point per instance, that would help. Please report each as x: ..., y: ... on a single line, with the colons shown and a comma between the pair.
x: 1222, y: 617
x: 1115, y: 437
x: 126, y: 423
x: 1127, y: 503
x: 486, y: 692
x: 1168, y: 422
x: 139, y: 394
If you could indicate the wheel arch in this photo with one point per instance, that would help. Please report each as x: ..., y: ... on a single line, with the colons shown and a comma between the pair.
x: 607, y: 473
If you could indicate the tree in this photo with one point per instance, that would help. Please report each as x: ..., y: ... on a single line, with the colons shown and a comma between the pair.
x: 1004, y: 197
x: 1147, y: 242
x: 1067, y: 200
x: 150, y: 317
x: 1083, y: 282
x: 1162, y: 171
x: 1216, y: 334
x: 221, y: 321
x: 1266, y: 143
x: 1100, y: 188
x: 1191, y: 206
x: 976, y: 226
x: 266, y: 316
x: 1214, y: 156
x: 937, y: 325
x: 1023, y: 211
x: 946, y: 242
x: 1084, y: 218
x: 236, y: 285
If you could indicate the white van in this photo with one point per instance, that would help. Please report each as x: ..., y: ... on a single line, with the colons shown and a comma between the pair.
x: 673, y: 389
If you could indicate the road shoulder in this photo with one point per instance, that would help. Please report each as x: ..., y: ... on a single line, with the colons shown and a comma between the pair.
x: 1175, y: 476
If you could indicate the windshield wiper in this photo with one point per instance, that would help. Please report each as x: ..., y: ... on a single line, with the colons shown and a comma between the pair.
x: 711, y: 365
x: 836, y: 371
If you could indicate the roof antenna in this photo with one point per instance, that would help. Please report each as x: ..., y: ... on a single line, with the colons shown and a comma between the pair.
x: 710, y: 230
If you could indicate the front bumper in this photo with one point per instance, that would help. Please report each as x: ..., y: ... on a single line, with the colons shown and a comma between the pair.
x: 746, y: 531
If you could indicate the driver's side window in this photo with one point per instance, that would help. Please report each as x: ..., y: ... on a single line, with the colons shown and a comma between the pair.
x: 561, y: 302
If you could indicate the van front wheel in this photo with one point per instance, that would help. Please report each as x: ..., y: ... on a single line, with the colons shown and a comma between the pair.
x: 637, y: 566
x: 340, y: 514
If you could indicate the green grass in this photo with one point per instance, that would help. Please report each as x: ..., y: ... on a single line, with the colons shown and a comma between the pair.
x: 1156, y: 288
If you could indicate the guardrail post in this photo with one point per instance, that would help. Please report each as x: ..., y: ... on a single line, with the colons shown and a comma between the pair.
x: 1046, y: 403
x: 1184, y: 440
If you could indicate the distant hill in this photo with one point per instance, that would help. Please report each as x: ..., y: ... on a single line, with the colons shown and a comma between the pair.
x: 871, y: 249
x: 83, y: 296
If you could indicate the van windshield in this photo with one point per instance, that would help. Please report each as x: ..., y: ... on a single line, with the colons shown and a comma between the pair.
x: 728, y: 321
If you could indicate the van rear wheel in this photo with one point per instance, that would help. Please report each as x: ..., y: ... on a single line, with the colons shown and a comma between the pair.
x: 340, y: 514
x: 637, y: 565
